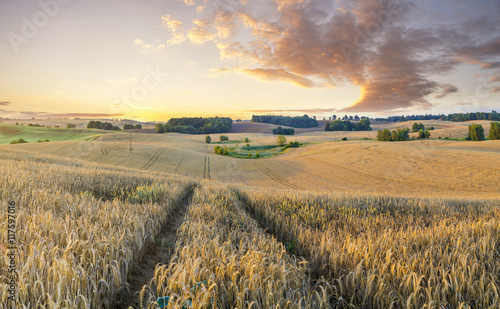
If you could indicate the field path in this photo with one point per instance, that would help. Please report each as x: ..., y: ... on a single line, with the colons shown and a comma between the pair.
x: 159, y: 252
x: 266, y: 171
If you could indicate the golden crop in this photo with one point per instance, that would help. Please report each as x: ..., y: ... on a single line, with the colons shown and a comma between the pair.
x: 81, y: 227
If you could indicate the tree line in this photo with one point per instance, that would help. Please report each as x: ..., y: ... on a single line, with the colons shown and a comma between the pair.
x: 195, y: 125
x: 283, y: 131
x: 347, y: 125
x: 456, y: 117
x: 102, y: 126
x: 289, y: 121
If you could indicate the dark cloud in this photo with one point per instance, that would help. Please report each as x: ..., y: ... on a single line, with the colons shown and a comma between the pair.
x: 4, y: 103
x: 447, y: 89
x: 391, y: 49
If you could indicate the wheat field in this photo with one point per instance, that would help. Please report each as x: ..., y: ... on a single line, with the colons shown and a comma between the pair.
x: 328, y: 225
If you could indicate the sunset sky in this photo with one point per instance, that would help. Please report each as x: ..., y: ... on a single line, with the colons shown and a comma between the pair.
x: 153, y: 60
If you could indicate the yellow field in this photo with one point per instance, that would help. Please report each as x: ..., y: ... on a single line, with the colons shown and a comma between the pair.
x: 370, y: 225
x: 433, y: 168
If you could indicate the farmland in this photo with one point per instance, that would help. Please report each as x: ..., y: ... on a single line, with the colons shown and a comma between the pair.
x: 355, y: 223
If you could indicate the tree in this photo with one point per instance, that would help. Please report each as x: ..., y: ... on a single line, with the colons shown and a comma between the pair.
x: 281, y: 140
x: 423, y: 134
x: 159, y: 128
x: 70, y: 125
x: 138, y: 126
x: 246, y: 140
x: 494, y: 131
x: 476, y: 132
x: 208, y: 139
x: 384, y: 135
x: 128, y: 127
x: 223, y: 138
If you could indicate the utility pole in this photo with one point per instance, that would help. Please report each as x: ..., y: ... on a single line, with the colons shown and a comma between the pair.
x: 130, y: 140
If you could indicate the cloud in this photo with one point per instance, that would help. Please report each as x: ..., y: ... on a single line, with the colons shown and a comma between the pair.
x: 171, y: 23
x: 495, y: 90
x: 199, y: 35
x: 4, y: 103
x: 447, y: 89
x: 281, y: 111
x: 62, y: 115
x: 278, y: 75
x: 392, y: 50
x: 138, y: 42
x: 188, y: 2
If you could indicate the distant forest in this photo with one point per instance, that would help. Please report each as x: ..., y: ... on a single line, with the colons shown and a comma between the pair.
x: 102, y: 126
x: 196, y: 125
x: 296, y: 122
x: 457, y: 117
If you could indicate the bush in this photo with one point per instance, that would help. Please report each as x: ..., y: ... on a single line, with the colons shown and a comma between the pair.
x: 221, y: 150
x: 344, y: 138
x: 19, y: 141
x: 128, y: 127
x: 257, y: 155
x: 494, y: 131
x: 208, y: 139
x: 138, y: 126
x: 292, y: 145
x: 70, y: 126
x: 17, y: 123
x: 223, y: 138
x: 249, y: 155
x: 476, y: 132
x: 281, y: 140
x: 246, y: 140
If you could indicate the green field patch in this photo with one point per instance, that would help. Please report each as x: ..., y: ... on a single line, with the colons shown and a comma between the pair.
x: 226, y: 142
x: 9, y: 133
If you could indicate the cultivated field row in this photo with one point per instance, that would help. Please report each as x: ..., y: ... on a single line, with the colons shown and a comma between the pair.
x: 89, y: 236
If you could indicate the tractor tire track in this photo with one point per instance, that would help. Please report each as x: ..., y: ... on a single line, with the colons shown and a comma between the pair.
x: 153, y: 159
x: 274, y: 177
x: 206, y: 168
x: 143, y: 273
x: 379, y: 178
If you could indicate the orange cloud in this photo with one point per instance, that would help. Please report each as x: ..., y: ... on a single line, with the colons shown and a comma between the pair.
x: 278, y: 75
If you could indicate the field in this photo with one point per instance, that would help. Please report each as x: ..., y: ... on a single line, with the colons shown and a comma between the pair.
x: 430, y: 168
x: 9, y: 133
x: 332, y: 224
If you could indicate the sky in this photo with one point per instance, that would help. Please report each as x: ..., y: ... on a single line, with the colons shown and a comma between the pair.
x: 152, y: 60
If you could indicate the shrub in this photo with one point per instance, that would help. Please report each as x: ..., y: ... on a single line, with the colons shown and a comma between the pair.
x: 257, y: 155
x: 281, y: 140
x: 19, y: 141
x: 128, y: 127
x: 283, y: 131
x: 344, y: 138
x: 494, y: 131
x: 17, y: 123
x: 223, y: 138
x: 476, y: 132
x: 138, y: 126
x: 221, y: 150
x: 246, y: 140
x: 70, y: 126
x: 208, y: 139
x: 249, y: 155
